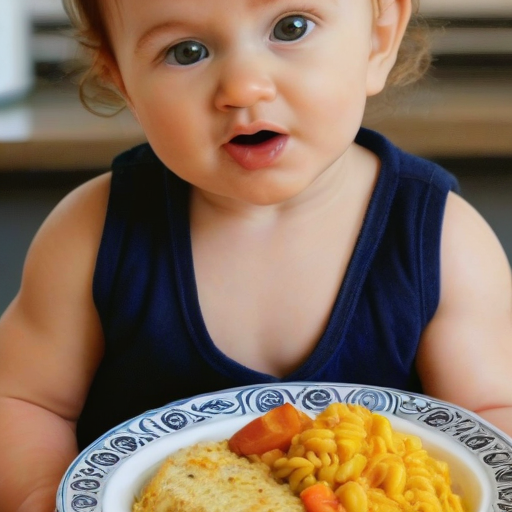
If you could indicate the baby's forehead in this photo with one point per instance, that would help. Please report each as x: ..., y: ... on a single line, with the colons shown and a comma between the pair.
x: 120, y: 5
x: 131, y: 14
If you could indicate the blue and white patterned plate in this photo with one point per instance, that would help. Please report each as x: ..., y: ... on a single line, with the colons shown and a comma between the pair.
x: 106, y: 476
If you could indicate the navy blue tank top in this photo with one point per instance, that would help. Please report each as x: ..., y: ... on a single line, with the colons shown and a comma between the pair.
x: 157, y: 347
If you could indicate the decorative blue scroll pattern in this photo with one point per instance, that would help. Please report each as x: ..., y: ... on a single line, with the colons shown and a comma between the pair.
x: 82, y: 487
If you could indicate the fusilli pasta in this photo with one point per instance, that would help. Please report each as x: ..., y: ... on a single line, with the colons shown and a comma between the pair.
x: 370, y: 467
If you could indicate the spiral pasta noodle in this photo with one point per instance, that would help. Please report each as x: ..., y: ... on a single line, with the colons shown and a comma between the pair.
x: 370, y: 467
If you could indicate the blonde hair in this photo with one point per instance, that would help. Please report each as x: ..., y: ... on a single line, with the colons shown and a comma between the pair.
x: 99, y: 95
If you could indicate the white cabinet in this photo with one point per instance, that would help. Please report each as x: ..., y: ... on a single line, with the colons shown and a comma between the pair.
x: 467, y: 8
x: 48, y: 11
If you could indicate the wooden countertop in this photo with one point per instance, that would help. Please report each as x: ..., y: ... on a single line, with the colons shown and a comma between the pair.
x: 453, y: 113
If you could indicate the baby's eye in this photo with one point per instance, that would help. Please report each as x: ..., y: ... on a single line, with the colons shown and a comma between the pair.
x: 186, y: 53
x: 292, y: 28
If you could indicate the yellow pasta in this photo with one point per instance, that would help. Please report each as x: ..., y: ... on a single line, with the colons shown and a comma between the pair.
x: 370, y: 467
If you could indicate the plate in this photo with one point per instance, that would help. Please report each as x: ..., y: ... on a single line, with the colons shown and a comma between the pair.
x: 107, y: 475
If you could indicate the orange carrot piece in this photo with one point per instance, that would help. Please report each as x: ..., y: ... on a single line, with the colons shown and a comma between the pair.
x: 275, y: 429
x: 320, y: 498
x: 305, y: 421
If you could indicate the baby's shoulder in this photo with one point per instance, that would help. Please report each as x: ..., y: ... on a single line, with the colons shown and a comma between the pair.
x: 91, y: 195
x: 82, y: 210
x: 473, y: 258
x: 72, y: 231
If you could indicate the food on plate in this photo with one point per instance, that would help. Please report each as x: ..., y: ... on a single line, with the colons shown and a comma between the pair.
x: 320, y: 497
x: 347, y: 459
x: 273, y: 430
x: 366, y: 464
x: 209, y: 477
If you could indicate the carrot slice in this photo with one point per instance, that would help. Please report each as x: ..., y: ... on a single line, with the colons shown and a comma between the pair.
x: 275, y: 429
x: 305, y: 421
x: 320, y: 498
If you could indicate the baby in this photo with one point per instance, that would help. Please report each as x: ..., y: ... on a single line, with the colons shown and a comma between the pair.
x: 262, y: 235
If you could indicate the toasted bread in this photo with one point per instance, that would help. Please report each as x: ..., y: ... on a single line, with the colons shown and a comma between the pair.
x: 208, y: 477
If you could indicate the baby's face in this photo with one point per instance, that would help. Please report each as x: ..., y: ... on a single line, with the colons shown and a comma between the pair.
x: 249, y: 100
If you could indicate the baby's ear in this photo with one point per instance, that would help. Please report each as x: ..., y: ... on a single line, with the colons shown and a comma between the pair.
x: 109, y: 73
x: 391, y: 18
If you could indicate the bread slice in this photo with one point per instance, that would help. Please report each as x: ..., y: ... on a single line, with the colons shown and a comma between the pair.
x: 208, y: 477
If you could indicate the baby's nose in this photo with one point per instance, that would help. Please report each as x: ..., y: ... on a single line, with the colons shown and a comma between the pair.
x: 243, y: 83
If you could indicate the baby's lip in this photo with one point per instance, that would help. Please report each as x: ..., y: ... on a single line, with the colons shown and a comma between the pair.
x: 252, y: 153
x: 257, y: 145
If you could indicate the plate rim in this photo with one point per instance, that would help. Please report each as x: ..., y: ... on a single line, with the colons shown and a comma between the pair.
x: 82, y: 486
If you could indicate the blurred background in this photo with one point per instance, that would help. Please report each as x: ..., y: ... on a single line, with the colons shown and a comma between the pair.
x: 459, y: 116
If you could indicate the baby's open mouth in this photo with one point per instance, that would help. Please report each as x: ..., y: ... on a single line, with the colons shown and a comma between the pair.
x: 256, y: 150
x: 254, y: 139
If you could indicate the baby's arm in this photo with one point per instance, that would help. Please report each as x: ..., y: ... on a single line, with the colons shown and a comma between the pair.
x: 50, y: 346
x: 465, y: 355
